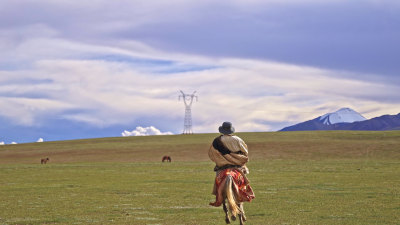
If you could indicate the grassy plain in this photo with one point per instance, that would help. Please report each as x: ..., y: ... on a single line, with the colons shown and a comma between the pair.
x: 335, y: 177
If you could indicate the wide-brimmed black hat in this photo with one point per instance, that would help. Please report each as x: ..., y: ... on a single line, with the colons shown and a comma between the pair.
x: 226, y: 128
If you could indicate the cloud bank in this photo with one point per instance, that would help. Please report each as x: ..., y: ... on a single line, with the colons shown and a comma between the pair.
x: 256, y: 95
x: 144, y: 131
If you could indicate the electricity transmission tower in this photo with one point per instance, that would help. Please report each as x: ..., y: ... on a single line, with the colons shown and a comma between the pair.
x: 188, y: 100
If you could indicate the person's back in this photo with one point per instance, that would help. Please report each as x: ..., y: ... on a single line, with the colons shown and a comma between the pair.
x: 228, y: 150
x: 234, y: 143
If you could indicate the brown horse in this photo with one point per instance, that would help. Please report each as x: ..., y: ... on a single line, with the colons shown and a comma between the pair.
x: 44, y: 160
x: 166, y: 158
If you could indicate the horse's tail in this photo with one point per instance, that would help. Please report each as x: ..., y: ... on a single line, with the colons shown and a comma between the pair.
x: 233, y: 207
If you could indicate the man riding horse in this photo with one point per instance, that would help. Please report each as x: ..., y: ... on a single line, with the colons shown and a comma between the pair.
x: 230, y: 154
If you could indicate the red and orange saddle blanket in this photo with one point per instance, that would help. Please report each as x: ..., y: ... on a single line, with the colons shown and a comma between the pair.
x: 240, y: 186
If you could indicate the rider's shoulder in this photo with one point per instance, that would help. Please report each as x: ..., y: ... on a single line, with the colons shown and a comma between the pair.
x: 237, y: 138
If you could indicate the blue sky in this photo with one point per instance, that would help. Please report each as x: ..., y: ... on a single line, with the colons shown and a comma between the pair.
x: 73, y: 69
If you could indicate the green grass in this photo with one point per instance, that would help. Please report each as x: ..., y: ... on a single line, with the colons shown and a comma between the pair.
x: 298, y: 178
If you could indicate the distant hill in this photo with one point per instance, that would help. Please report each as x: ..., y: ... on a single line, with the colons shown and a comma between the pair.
x: 342, y: 120
x: 385, y: 122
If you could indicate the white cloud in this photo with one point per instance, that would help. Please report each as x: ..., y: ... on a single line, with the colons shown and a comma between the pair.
x: 255, y: 95
x: 25, y: 110
x: 40, y: 140
x: 14, y: 143
x: 144, y: 131
x: 2, y: 143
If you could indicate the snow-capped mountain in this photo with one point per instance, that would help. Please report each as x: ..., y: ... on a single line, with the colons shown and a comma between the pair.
x: 347, y: 119
x: 343, y: 115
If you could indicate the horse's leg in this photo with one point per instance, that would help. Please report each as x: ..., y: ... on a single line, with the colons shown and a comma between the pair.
x: 242, y: 210
x: 227, y: 220
x: 242, y: 217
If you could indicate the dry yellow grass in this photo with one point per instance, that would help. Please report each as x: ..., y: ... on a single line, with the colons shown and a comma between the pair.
x: 263, y: 145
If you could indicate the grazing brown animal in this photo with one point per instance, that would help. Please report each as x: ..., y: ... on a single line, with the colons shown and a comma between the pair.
x: 44, y: 160
x: 166, y: 158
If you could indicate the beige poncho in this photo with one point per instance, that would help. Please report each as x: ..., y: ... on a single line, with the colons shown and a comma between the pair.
x: 238, y: 155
